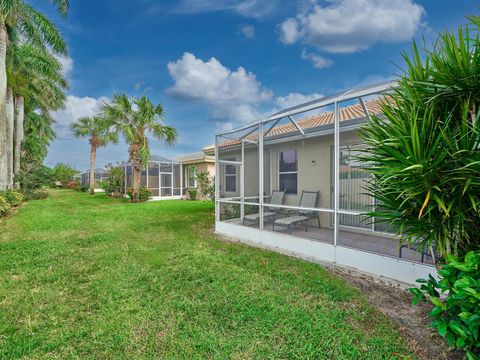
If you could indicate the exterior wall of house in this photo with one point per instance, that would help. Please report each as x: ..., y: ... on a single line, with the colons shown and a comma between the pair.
x: 159, y: 180
x: 251, y: 164
x: 202, y: 166
x: 315, y: 169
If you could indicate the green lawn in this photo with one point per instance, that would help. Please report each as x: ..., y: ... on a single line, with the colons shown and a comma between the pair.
x: 92, y: 277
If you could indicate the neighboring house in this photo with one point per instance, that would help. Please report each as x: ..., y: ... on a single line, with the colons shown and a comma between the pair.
x: 99, y: 174
x: 309, y: 147
x: 162, y: 176
x: 194, y: 164
x: 167, y: 179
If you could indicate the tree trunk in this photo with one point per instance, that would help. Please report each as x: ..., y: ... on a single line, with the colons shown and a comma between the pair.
x: 3, y: 115
x: 136, y: 184
x: 93, y: 154
x: 19, y: 133
x: 10, y: 113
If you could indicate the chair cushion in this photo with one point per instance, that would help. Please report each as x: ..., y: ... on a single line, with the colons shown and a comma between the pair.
x: 291, y: 220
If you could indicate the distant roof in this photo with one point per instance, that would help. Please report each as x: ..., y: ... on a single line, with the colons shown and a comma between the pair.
x: 195, y: 157
x: 313, y: 123
x: 96, y: 170
x: 346, y: 95
x: 160, y: 159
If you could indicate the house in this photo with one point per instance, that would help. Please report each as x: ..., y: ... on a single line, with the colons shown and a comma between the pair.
x: 194, y: 164
x: 310, y: 147
x: 162, y: 176
x: 167, y: 179
x: 99, y: 174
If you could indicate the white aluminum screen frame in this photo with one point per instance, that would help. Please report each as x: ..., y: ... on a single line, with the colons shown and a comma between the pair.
x: 269, y: 123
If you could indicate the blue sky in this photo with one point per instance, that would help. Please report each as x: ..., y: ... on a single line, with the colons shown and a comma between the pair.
x: 215, y: 64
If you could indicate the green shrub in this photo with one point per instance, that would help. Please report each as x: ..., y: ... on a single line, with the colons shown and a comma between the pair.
x: 13, y: 197
x: 144, y: 193
x: 35, y: 177
x: 456, y: 300
x: 35, y: 195
x: 206, y: 184
x: 423, y: 151
x: 232, y: 211
x: 63, y: 173
x: 84, y: 188
x: 4, y: 205
x: 113, y: 186
x: 192, y: 194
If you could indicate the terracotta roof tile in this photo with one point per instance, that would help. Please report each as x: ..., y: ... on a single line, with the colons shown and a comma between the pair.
x: 346, y: 113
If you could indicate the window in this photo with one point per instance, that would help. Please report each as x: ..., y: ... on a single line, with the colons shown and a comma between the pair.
x: 288, y: 171
x: 192, y: 176
x: 230, y: 177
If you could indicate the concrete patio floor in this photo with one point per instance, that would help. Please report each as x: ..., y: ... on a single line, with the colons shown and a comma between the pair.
x: 374, y: 242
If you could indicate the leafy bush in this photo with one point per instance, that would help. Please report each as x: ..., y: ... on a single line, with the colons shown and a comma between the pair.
x: 35, y: 195
x: 63, y: 173
x: 4, y: 205
x: 14, y: 198
x: 232, y: 211
x: 144, y: 193
x: 456, y: 300
x: 192, y: 194
x: 206, y: 184
x: 113, y: 186
x: 83, y: 188
x: 74, y: 185
x: 35, y: 177
x: 423, y: 151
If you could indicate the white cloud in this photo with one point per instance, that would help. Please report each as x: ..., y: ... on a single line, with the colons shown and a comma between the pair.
x: 246, y: 8
x: 75, y: 108
x: 232, y: 95
x: 247, y: 30
x: 142, y: 87
x: 67, y: 65
x: 346, y: 26
x: 294, y: 99
x: 318, y: 61
x: 289, y: 31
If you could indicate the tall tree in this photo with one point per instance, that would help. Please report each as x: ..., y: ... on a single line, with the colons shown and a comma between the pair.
x: 135, y: 118
x: 38, y: 135
x: 10, y: 115
x: 22, y: 22
x: 100, y: 132
x: 35, y: 75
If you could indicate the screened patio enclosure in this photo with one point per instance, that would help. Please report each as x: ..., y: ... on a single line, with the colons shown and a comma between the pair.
x: 162, y: 176
x: 99, y: 174
x: 308, y: 153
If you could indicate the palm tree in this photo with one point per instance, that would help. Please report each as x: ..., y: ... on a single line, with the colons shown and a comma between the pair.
x: 38, y: 135
x: 19, y: 21
x: 99, y: 131
x: 36, y: 75
x: 135, y: 118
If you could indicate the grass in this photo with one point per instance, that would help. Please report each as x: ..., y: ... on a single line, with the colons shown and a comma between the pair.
x: 93, y: 277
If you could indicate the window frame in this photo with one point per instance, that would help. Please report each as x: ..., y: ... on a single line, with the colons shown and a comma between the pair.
x: 280, y: 173
x: 192, y: 176
x: 234, y: 175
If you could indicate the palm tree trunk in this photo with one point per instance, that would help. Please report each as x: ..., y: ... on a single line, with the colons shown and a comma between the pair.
x: 93, y: 154
x: 10, y: 112
x: 19, y: 133
x: 136, y: 184
x: 3, y: 115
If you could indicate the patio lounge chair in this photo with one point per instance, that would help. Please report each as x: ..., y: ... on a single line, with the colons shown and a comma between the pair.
x: 307, y: 200
x: 268, y: 213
